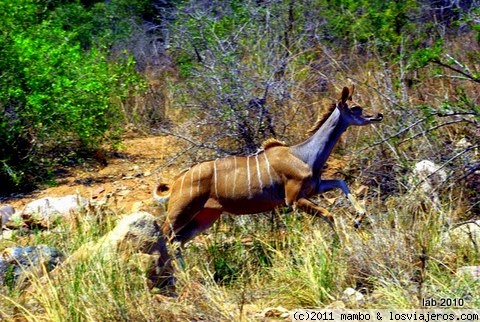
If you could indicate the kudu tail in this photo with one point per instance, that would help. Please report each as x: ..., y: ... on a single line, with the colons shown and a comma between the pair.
x: 161, y: 193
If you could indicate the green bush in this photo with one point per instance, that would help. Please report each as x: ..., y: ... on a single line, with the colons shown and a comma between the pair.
x: 54, y: 92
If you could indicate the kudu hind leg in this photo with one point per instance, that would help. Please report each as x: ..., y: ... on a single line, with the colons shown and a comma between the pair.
x: 326, y: 185
x: 203, y: 220
x: 200, y: 222
x: 180, y: 213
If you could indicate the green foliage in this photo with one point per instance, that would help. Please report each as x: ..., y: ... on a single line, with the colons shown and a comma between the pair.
x: 228, y: 54
x: 59, y: 88
x: 423, y: 56
x: 382, y: 24
x: 207, y: 28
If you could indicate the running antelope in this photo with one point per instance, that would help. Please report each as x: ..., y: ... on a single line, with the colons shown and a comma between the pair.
x: 278, y: 175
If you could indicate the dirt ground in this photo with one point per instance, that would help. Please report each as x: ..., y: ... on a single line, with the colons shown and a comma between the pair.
x: 128, y: 178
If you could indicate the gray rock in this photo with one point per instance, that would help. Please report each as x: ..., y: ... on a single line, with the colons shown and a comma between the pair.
x: 353, y: 296
x: 472, y: 272
x: 466, y: 235
x: 459, y: 242
x: 6, y: 213
x: 17, y: 264
x: 138, y: 238
x: 426, y: 177
x: 46, y: 210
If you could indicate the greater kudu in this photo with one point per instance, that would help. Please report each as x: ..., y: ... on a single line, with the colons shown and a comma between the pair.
x: 277, y: 175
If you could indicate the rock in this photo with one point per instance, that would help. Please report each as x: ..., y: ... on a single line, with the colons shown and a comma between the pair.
x: 136, y: 206
x: 353, y: 296
x: 46, y: 210
x: 17, y: 264
x: 97, y: 192
x: 6, y: 213
x: 459, y: 242
x: 274, y: 312
x: 467, y: 234
x: 137, y: 239
x: 472, y: 272
x: 429, y: 171
x: 8, y: 234
x: 427, y: 175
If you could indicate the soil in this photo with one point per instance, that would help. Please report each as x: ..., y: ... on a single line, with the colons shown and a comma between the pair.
x: 125, y: 178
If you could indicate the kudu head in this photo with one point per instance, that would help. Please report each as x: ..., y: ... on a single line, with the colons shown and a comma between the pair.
x: 352, y: 113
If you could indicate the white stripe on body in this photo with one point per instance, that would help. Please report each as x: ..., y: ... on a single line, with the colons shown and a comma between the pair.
x: 191, y: 181
x: 249, y: 183
x: 215, y: 177
x: 259, y: 175
x: 267, y: 164
x: 199, y: 178
x: 181, y: 184
x: 234, y: 175
x: 225, y: 175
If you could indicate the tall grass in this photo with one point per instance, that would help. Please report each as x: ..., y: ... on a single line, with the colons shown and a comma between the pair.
x: 247, y: 264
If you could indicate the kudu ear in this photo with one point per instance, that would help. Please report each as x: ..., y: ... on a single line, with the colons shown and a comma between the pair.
x: 352, y: 89
x: 345, y: 94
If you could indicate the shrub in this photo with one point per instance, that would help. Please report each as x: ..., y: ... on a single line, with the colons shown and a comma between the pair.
x: 55, y: 94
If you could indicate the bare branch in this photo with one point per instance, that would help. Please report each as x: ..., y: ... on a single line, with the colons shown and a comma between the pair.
x: 457, y: 70
x: 172, y: 159
x: 197, y: 144
x: 406, y: 129
x: 433, y: 128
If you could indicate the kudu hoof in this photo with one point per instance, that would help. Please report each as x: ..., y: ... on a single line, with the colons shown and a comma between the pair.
x: 356, y: 224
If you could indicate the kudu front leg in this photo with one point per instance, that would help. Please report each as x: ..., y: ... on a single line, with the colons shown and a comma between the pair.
x: 315, y: 210
x: 325, y: 185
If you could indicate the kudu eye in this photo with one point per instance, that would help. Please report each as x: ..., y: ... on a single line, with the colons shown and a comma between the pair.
x: 356, y: 109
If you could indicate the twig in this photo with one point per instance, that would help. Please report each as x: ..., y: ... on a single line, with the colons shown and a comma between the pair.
x: 173, y: 159
x: 471, y: 171
x: 197, y: 144
x: 393, y: 136
x: 385, y: 96
x: 439, y: 114
x: 457, y: 70
x: 431, y: 129
x: 471, y: 221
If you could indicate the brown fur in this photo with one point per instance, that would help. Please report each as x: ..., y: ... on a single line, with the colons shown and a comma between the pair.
x: 321, y: 120
x: 271, y: 143
x: 238, y: 185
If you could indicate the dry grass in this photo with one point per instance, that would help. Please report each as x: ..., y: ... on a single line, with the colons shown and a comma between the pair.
x: 245, y: 265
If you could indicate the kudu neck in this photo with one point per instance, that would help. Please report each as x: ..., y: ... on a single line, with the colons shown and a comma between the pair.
x: 316, y: 149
